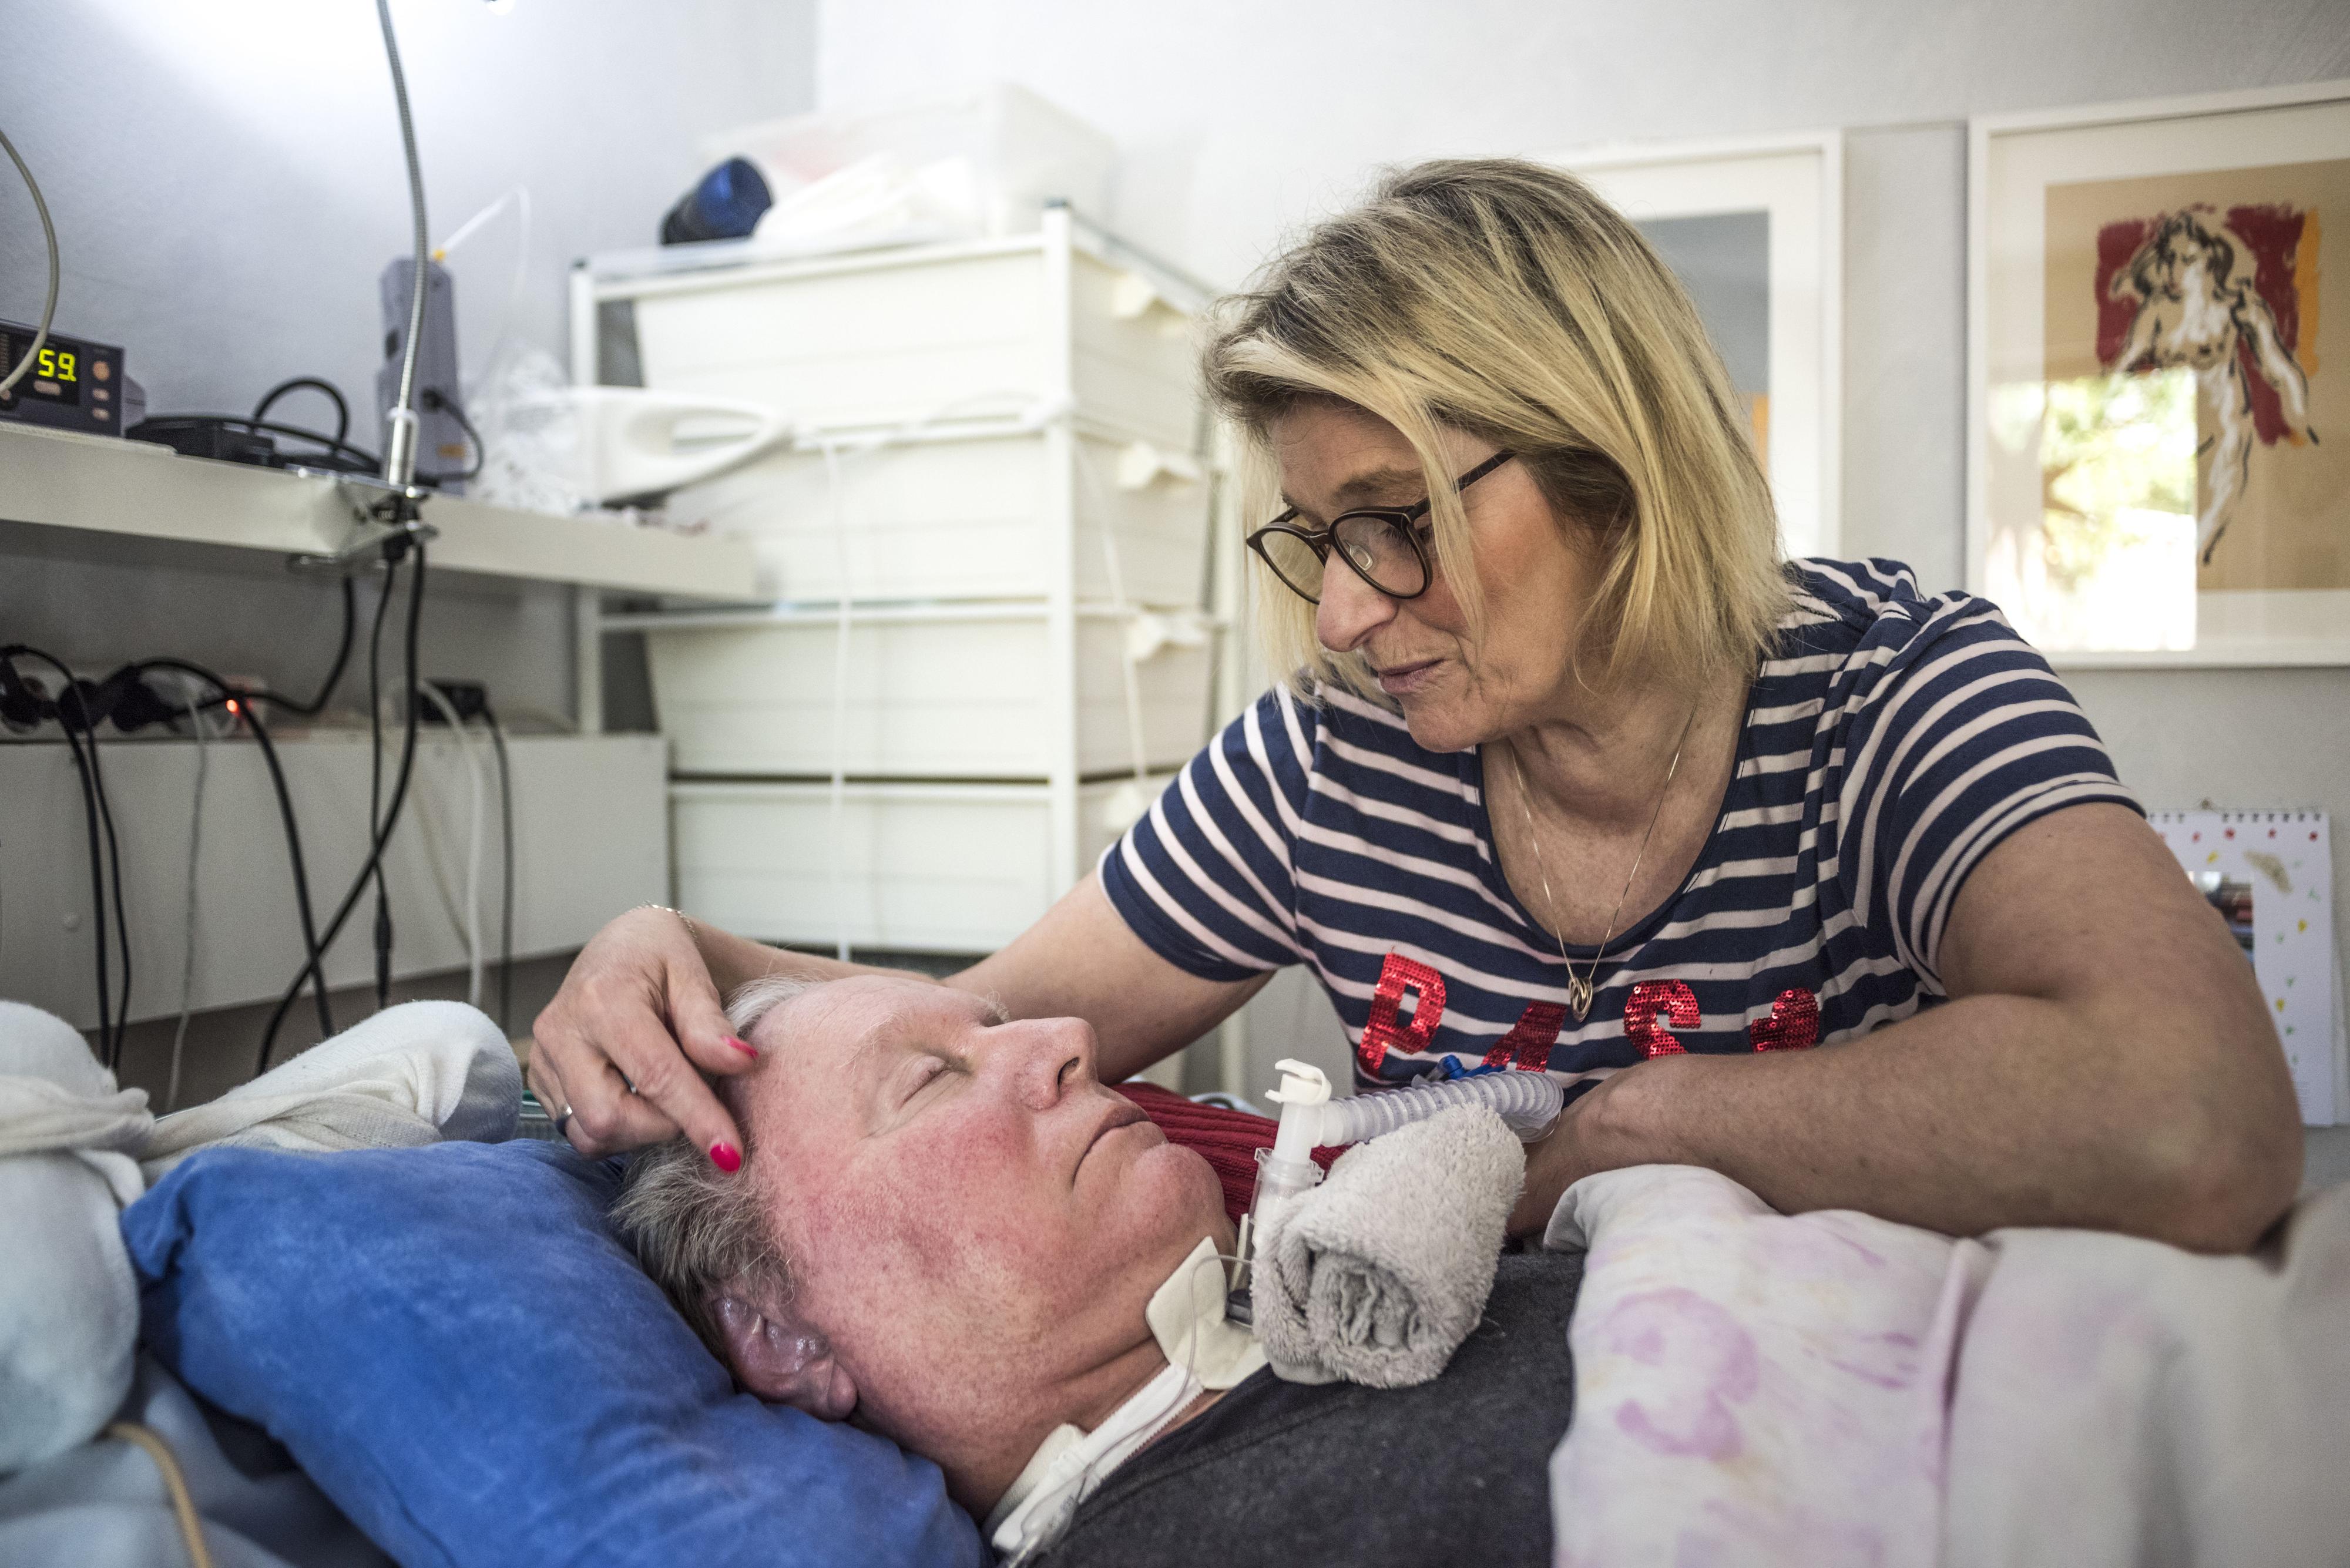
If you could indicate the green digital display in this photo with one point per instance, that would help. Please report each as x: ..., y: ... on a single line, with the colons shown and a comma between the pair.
x: 68, y: 383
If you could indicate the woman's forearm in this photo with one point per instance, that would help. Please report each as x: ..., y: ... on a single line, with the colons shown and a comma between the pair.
x: 1991, y: 1111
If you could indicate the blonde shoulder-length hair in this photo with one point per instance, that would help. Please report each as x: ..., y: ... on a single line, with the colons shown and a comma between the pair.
x: 1503, y: 299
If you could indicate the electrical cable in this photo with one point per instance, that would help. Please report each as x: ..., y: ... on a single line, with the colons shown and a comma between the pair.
x: 343, y: 457
x: 519, y: 196
x: 90, y: 821
x: 439, y: 402
x: 506, y: 846
x: 342, y: 409
x: 839, y: 796
x: 114, y: 875
x: 313, y: 950
x: 392, y: 818
x: 335, y: 672
x: 187, y: 946
x: 471, y: 928
x: 375, y: 782
x: 49, y: 234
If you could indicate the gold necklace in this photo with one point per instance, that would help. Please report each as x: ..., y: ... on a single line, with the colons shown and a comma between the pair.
x: 1578, y: 987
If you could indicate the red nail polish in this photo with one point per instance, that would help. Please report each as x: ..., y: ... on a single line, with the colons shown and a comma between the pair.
x: 726, y: 1158
x: 743, y: 1045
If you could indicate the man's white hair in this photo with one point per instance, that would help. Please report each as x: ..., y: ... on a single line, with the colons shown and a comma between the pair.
x: 699, y: 1231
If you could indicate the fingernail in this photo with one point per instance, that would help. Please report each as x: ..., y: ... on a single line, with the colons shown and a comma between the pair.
x: 743, y: 1045
x: 726, y: 1158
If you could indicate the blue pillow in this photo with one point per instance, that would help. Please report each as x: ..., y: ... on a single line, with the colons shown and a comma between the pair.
x: 467, y: 1361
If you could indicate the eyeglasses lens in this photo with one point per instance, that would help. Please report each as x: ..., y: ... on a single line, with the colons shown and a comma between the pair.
x: 1378, y: 549
x: 1296, y: 562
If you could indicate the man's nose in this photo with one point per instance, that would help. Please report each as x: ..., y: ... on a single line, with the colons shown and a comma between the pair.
x: 1052, y: 1056
x: 1351, y: 610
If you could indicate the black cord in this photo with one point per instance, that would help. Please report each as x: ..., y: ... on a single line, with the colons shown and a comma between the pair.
x: 342, y: 658
x: 314, y: 963
x: 114, y: 874
x: 342, y: 409
x: 375, y: 784
x: 505, y: 839
x: 349, y: 458
x: 392, y: 817
x: 90, y: 821
x: 435, y: 402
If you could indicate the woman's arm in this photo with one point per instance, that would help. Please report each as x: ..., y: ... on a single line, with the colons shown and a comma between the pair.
x: 2105, y: 1061
x: 643, y: 1000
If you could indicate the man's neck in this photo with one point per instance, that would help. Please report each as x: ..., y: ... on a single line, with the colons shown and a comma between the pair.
x: 978, y: 1480
x: 1182, y: 1324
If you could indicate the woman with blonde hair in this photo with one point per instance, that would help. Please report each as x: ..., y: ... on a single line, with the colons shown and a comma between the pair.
x: 1789, y: 869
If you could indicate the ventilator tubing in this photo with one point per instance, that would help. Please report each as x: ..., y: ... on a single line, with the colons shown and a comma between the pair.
x: 1528, y: 1102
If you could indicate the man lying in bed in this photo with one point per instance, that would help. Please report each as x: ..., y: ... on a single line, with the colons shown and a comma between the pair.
x: 951, y: 1233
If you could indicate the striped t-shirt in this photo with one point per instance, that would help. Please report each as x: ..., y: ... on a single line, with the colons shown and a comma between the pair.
x: 1890, y: 744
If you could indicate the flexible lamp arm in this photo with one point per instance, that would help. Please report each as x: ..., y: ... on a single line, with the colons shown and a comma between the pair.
x: 400, y: 447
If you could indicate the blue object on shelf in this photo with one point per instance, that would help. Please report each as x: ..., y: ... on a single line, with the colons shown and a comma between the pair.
x: 725, y: 205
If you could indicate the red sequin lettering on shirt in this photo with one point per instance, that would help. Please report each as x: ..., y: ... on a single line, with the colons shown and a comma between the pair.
x: 1526, y: 1047
x: 1793, y: 1024
x: 1381, y: 1033
x: 1652, y: 1004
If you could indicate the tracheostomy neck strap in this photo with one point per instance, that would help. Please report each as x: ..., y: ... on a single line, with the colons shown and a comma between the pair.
x: 1203, y: 1352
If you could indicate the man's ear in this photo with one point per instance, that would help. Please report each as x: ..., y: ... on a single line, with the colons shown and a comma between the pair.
x: 782, y: 1358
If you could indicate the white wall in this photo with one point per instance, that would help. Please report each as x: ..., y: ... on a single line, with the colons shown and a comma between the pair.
x: 227, y: 184
x: 1239, y: 122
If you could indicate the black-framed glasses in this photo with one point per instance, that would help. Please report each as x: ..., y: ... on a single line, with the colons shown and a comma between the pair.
x: 1380, y: 543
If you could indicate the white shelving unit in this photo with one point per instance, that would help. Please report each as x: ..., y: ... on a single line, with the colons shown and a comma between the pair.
x: 590, y: 809
x: 1001, y: 519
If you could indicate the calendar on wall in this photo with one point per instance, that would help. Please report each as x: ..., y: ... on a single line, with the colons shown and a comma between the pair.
x: 2270, y: 876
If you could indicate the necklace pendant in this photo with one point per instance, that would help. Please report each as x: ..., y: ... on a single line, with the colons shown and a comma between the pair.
x: 1578, y: 996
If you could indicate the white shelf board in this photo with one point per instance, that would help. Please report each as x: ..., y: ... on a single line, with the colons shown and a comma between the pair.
x: 100, y: 485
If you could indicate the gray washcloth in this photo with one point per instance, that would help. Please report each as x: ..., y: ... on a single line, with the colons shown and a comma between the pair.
x: 1377, y: 1275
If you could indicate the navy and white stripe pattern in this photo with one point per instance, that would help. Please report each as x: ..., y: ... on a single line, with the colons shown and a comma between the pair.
x: 1892, y: 743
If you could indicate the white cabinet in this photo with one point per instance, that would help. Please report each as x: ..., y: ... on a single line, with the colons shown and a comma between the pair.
x: 970, y: 691
x: 960, y: 513
x: 929, y: 332
x: 983, y: 565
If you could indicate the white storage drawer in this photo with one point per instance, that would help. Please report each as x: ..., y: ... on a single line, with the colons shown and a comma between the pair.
x: 933, y: 694
x: 929, y: 868
x: 967, y: 516
x: 997, y: 327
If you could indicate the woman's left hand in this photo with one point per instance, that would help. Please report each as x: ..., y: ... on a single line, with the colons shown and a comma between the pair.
x: 1576, y: 1146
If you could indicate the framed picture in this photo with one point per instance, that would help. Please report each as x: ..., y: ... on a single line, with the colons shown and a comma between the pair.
x: 2159, y: 379
x: 1754, y: 227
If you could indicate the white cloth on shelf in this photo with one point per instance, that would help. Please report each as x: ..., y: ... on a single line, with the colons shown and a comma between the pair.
x: 75, y: 1149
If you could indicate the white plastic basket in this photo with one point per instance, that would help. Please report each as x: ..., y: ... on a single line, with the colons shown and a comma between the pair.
x: 964, y: 516
x: 933, y: 692
x: 958, y: 869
